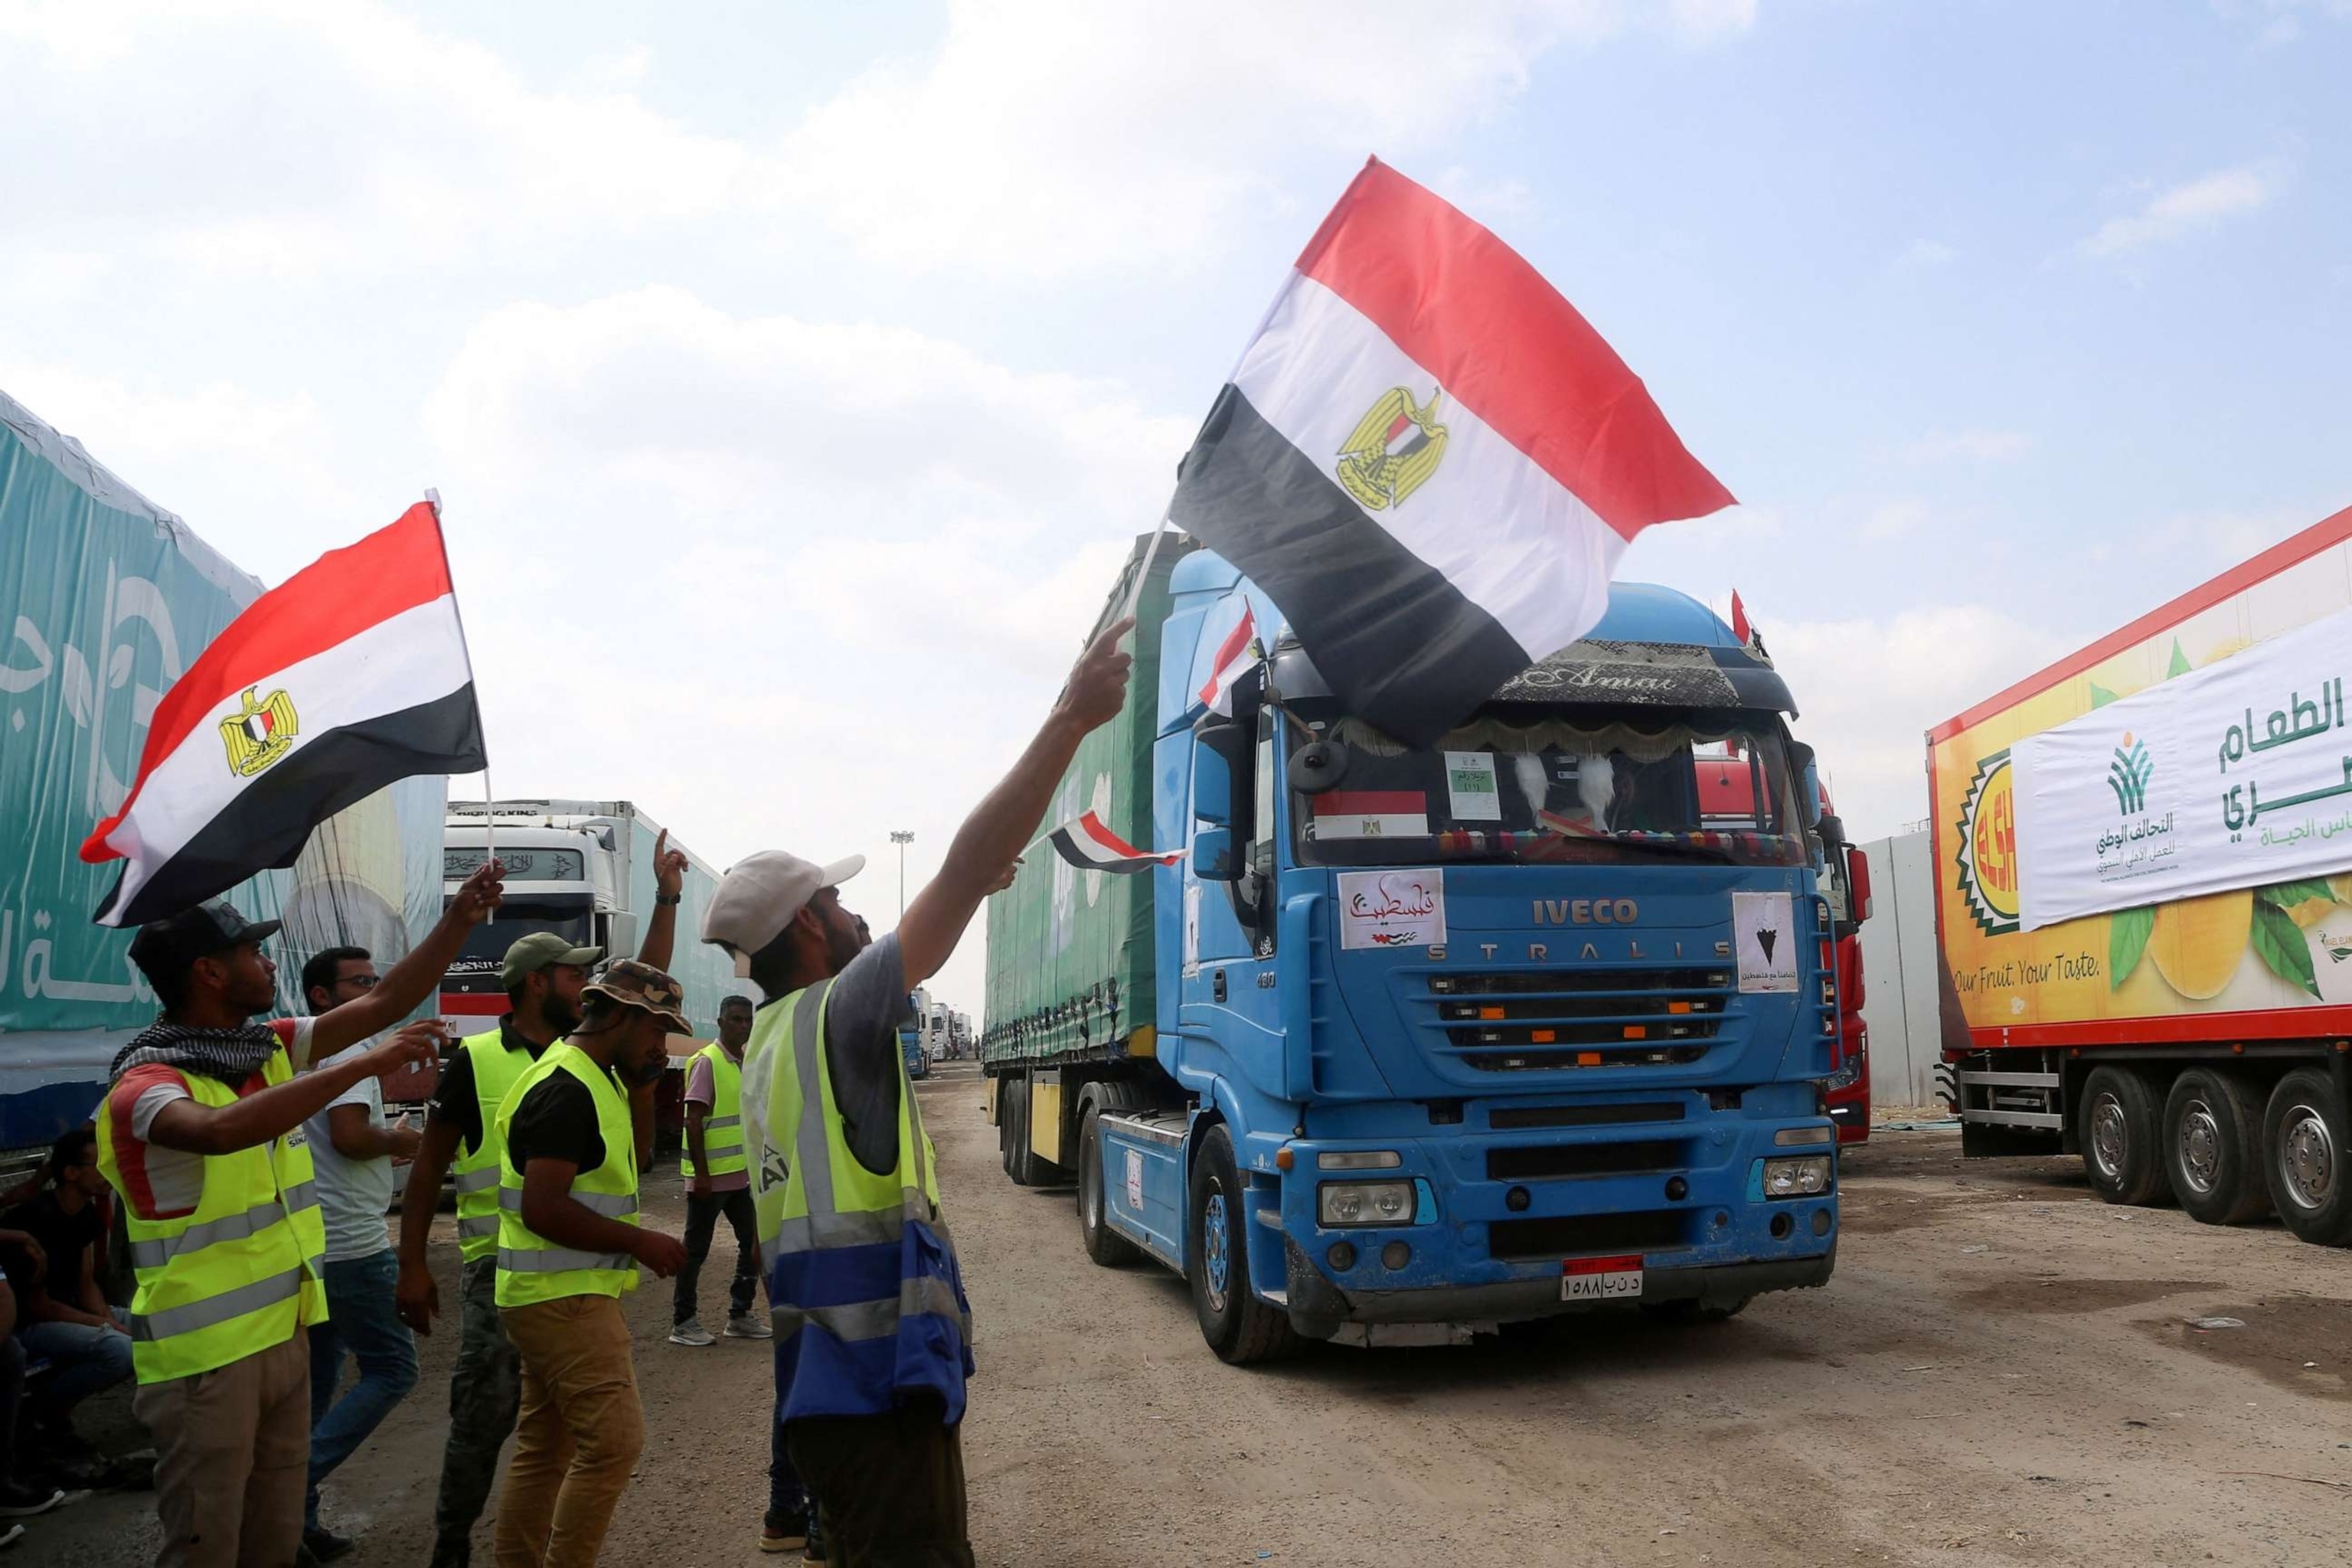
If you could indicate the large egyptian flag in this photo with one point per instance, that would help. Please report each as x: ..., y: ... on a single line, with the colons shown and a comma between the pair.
x: 1430, y: 461
x: 350, y: 675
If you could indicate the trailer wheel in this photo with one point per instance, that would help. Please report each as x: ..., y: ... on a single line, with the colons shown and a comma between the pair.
x: 2212, y: 1147
x: 1103, y: 1244
x: 1238, y: 1326
x: 1019, y: 1162
x: 2304, y: 1144
x: 2120, y: 1133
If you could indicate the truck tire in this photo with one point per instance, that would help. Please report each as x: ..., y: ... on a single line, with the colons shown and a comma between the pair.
x: 2213, y: 1147
x: 1103, y: 1244
x: 2305, y: 1142
x: 2119, y: 1131
x: 1238, y: 1326
x: 1003, y: 1129
x: 1016, y: 1118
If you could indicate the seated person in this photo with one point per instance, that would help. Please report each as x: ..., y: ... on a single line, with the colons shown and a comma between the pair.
x: 62, y: 1318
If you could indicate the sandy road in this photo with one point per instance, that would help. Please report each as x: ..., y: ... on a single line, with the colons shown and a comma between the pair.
x: 2002, y: 1372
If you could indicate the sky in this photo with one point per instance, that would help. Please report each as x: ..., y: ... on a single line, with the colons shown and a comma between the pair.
x: 793, y: 375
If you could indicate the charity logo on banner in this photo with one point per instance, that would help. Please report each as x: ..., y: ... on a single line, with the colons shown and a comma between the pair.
x: 2236, y: 775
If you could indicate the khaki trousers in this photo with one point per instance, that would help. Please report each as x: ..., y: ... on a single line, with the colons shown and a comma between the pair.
x: 233, y: 1453
x: 579, y: 1433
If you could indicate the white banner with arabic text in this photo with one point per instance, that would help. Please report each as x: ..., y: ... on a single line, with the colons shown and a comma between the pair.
x: 2236, y: 775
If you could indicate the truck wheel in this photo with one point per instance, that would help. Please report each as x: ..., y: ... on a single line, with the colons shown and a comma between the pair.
x: 1104, y: 1245
x: 2118, y: 1130
x: 1238, y: 1326
x: 2304, y: 1144
x: 1018, y: 1160
x: 2212, y: 1147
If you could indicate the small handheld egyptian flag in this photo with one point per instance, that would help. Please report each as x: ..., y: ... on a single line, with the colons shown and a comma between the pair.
x: 1430, y: 461
x: 348, y: 675
x: 1086, y: 843
x: 1238, y: 657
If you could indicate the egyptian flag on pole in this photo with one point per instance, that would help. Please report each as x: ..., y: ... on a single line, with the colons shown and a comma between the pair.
x: 1430, y: 461
x: 1086, y: 843
x: 350, y: 675
x: 1238, y: 657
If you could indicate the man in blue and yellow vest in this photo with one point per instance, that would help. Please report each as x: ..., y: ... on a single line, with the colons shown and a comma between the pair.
x: 873, y: 1329
x: 718, y: 1181
x: 570, y: 1246
x: 201, y: 1134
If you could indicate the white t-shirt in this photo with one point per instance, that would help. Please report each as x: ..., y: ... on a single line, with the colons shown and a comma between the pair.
x: 352, y: 1194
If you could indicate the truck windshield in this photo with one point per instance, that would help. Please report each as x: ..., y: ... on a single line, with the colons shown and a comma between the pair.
x: 476, y: 968
x: 1593, y: 788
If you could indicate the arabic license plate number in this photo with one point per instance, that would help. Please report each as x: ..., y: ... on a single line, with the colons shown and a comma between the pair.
x: 1601, y: 1279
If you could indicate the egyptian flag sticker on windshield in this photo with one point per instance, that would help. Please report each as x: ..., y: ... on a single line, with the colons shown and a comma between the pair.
x: 1370, y: 813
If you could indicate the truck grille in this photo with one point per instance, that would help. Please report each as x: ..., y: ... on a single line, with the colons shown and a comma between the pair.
x: 1567, y: 1234
x: 1532, y: 1020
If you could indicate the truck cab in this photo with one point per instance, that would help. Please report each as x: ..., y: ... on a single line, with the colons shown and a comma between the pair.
x: 1485, y: 1031
x: 560, y: 878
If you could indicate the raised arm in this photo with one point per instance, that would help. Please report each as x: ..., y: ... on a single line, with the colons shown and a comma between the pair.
x: 414, y: 977
x: 986, y: 847
x: 274, y: 1112
x: 661, y: 926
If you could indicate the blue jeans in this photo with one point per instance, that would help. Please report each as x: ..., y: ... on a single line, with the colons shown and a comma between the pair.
x: 84, y: 1360
x: 360, y: 1319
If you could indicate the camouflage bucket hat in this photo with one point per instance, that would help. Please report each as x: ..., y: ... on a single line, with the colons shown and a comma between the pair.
x: 641, y: 985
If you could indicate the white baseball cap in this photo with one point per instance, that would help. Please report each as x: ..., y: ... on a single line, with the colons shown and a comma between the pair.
x: 758, y: 896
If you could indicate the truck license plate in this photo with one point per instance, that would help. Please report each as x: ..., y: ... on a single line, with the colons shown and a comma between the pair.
x: 1601, y: 1279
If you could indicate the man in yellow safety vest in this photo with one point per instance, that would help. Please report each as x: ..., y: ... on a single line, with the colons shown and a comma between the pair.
x: 718, y: 1180
x: 569, y: 1247
x: 199, y: 1134
x: 872, y: 1329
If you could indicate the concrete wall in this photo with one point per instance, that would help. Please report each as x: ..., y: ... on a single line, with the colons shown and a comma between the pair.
x: 1900, y: 960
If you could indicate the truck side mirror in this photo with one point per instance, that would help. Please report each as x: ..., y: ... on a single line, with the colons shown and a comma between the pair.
x: 1832, y: 832
x: 1809, y: 783
x: 1212, y: 855
x: 1857, y: 881
x: 621, y: 934
x: 1221, y: 753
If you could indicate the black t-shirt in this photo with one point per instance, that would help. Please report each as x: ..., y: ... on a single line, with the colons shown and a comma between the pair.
x: 62, y: 1236
x: 455, y: 1103
x: 557, y: 1121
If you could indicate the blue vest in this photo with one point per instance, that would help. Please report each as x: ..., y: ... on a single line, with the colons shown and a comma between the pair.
x: 868, y: 1303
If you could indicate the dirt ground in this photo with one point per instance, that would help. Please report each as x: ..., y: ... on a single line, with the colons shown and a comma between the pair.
x: 2004, y: 1370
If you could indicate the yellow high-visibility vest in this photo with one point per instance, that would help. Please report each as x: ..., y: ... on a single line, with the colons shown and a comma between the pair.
x: 530, y: 1268
x: 496, y: 1066
x: 240, y: 1272
x: 722, y: 1128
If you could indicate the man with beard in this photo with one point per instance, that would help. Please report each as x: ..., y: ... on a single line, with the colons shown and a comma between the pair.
x: 872, y: 1325
x: 199, y: 1134
x: 570, y: 1246
x: 544, y: 975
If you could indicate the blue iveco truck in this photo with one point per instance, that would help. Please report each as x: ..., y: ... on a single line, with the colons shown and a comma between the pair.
x: 1413, y: 1044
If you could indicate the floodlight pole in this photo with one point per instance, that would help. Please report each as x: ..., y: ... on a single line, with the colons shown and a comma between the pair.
x: 902, y: 838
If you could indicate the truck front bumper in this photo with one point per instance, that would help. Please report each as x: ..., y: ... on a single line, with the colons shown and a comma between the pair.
x: 1318, y: 1307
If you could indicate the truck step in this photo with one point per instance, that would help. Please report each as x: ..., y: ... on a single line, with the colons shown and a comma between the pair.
x: 1270, y: 1218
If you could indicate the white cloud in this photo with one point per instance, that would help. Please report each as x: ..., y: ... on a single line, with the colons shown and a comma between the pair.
x: 1983, y: 446
x: 1891, y: 520
x: 1926, y: 253
x: 290, y: 138
x: 798, y: 583
x: 2186, y: 209
x: 1917, y: 668
x: 1049, y: 137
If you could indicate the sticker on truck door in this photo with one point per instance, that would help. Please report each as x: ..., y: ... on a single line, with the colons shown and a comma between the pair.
x: 1764, y: 936
x: 1135, y: 1180
x: 1391, y: 909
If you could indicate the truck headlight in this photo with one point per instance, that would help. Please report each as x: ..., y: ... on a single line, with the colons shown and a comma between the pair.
x: 1797, y: 1178
x: 1364, y: 1202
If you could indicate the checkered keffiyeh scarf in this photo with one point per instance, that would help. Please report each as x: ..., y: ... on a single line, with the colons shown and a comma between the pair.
x: 231, y: 1056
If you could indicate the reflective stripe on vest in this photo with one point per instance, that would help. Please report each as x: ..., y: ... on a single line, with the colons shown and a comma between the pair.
x: 241, y: 1271
x: 868, y: 1301
x: 533, y: 1269
x: 722, y: 1127
x: 496, y: 1066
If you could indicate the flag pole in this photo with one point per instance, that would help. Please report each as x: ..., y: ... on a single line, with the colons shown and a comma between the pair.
x: 1144, y: 575
x: 458, y: 608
